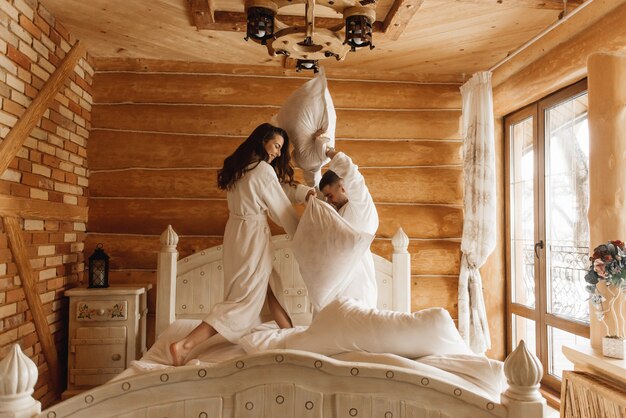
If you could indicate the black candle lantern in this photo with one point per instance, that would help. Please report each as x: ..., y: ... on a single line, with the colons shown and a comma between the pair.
x: 99, y: 268
x: 358, y: 32
x: 307, y: 65
x: 260, y: 24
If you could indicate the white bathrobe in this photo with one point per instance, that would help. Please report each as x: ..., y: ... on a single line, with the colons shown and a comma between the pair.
x: 247, y: 250
x: 361, y: 213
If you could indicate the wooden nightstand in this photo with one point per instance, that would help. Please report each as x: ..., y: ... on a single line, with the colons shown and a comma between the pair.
x: 107, y: 330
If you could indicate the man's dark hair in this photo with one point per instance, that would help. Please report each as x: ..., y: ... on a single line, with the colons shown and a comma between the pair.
x: 328, y: 179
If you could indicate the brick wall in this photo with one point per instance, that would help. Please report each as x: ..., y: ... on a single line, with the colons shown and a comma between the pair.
x: 51, y: 166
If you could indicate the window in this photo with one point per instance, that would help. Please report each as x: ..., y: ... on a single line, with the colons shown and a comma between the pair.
x: 547, y: 198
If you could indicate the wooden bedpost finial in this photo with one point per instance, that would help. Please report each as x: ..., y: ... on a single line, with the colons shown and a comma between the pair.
x: 18, y: 375
x: 400, y: 242
x: 523, y: 372
x: 169, y: 239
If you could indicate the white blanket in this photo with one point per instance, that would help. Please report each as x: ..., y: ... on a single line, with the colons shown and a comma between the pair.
x: 476, y: 373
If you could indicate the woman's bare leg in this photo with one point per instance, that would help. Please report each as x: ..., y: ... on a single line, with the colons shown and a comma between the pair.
x: 181, y: 348
x: 278, y: 313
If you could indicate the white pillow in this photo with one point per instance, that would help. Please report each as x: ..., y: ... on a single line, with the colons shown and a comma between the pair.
x: 346, y: 325
x: 309, y: 109
x: 326, y: 247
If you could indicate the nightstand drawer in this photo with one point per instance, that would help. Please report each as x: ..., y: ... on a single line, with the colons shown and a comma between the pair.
x: 101, y: 310
x: 92, y: 377
x: 99, y: 348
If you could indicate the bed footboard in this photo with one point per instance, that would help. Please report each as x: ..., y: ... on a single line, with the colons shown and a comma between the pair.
x: 280, y: 384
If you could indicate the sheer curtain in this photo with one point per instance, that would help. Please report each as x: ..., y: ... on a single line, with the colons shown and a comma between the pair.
x: 479, y: 229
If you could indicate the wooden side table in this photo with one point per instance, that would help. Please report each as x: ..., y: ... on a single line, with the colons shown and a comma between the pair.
x: 597, y: 387
x: 107, y: 330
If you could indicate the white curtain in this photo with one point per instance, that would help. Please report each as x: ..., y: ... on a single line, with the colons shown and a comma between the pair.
x: 479, y: 228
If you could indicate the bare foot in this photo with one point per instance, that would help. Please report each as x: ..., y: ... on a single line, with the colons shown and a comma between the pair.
x: 178, y: 352
x: 180, y: 349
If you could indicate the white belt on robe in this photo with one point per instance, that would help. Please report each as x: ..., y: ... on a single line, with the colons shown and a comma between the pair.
x: 261, y: 217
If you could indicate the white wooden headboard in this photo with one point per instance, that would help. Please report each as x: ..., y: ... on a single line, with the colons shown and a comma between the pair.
x: 188, y: 288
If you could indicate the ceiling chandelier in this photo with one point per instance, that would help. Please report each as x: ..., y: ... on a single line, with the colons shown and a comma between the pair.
x: 308, y: 44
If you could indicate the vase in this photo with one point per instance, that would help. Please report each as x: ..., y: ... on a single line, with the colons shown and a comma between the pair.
x: 613, y: 347
x: 613, y: 323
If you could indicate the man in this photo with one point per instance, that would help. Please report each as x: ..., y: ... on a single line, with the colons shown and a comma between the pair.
x: 344, y: 187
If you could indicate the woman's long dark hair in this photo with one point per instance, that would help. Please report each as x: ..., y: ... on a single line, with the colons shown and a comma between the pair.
x: 253, y: 150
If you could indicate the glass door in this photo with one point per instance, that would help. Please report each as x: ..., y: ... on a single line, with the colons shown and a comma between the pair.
x: 548, y: 232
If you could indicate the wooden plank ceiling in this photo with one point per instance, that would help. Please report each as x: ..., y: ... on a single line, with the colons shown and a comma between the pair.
x: 444, y: 40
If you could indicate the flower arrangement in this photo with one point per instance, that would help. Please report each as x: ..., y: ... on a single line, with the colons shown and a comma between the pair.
x: 608, y: 264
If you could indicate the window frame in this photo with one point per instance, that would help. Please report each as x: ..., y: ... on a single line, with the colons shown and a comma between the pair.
x: 539, y: 314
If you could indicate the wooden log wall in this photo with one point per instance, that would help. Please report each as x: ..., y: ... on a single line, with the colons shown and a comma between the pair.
x: 160, y: 136
x: 46, y: 183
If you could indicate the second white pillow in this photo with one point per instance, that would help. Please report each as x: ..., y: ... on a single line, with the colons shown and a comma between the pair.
x: 345, y: 325
x: 326, y: 247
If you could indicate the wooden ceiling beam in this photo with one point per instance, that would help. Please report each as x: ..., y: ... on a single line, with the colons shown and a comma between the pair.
x: 202, y: 12
x: 207, y: 18
x: 236, y: 22
x: 399, y: 16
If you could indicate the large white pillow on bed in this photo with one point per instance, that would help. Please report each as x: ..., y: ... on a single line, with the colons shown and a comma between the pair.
x: 326, y: 247
x: 307, y: 110
x: 346, y: 325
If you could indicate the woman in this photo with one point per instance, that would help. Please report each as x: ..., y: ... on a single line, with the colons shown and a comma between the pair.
x: 252, y: 177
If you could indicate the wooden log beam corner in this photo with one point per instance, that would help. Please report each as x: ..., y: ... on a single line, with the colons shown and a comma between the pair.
x: 29, y: 283
x: 21, y: 207
x: 23, y: 127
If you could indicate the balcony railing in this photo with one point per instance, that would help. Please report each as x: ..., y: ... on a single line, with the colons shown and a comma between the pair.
x: 567, y: 266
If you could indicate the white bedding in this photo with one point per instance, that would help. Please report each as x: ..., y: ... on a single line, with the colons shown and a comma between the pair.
x: 476, y: 373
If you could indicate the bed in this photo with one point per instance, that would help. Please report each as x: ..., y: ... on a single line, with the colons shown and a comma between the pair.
x: 289, y: 383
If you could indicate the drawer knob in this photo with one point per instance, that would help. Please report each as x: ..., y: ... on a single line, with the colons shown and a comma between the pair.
x: 101, y: 312
x: 116, y: 357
